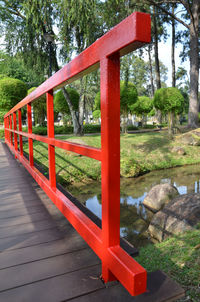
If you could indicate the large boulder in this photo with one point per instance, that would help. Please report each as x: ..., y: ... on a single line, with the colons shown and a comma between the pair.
x: 160, y: 195
x: 178, y: 216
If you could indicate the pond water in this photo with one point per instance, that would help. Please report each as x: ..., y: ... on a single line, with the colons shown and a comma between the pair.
x: 135, y: 217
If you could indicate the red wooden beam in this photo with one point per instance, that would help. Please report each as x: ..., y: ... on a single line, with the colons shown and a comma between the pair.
x: 84, y: 150
x: 130, y: 34
x: 110, y: 146
x: 30, y: 140
x: 20, y: 129
x: 50, y: 132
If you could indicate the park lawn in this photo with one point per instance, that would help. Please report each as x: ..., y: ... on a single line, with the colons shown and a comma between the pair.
x: 179, y: 257
x: 140, y: 153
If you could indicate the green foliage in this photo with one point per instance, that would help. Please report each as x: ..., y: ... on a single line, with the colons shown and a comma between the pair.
x: 13, y: 67
x: 61, y: 104
x: 132, y: 127
x: 143, y: 106
x: 168, y: 100
x: 128, y: 96
x: 91, y: 128
x: 96, y: 114
x: 97, y: 101
x: 39, y: 108
x: 42, y: 130
x: 12, y: 91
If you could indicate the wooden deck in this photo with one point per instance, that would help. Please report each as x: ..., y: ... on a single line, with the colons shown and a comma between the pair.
x: 42, y: 258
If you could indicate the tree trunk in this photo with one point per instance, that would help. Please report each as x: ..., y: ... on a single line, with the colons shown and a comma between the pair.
x: 170, y: 125
x: 151, y: 71
x: 75, y: 121
x: 157, y: 65
x: 173, y: 50
x: 194, y: 66
x: 81, y: 112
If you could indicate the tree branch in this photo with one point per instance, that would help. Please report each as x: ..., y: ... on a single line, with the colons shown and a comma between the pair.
x: 14, y: 10
x: 152, y: 2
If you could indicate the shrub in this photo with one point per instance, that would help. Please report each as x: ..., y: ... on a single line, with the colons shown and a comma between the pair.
x: 39, y: 108
x: 149, y: 126
x: 168, y: 100
x: 60, y: 101
x: 132, y: 127
x: 12, y: 91
x: 91, y: 128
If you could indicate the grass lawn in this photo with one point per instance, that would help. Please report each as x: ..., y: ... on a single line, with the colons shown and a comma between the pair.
x: 179, y: 257
x: 140, y: 153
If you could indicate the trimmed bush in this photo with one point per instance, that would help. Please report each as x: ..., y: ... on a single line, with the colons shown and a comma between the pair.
x: 168, y: 100
x: 12, y: 91
x: 132, y: 127
x: 91, y: 128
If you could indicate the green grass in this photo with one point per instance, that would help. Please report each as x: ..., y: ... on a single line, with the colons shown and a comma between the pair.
x: 140, y: 153
x: 179, y: 257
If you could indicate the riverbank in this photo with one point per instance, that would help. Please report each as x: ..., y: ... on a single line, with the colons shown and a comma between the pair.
x: 179, y: 257
x: 140, y: 153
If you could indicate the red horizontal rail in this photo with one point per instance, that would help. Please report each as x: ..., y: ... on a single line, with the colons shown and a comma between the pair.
x: 130, y: 34
x: 84, y: 150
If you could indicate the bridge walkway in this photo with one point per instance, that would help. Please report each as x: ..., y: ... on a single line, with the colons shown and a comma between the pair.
x: 42, y: 258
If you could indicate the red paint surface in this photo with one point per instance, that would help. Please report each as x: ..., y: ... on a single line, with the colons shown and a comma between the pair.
x: 130, y: 34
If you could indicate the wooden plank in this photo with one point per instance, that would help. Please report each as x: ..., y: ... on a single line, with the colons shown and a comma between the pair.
x: 26, y: 228
x: 21, y: 212
x: 29, y: 239
x: 14, y: 221
x: 72, y: 243
x: 46, y: 268
x: 19, y: 205
x: 160, y: 288
x: 56, y: 289
x: 8, y: 199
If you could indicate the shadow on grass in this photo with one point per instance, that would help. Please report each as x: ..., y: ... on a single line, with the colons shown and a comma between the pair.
x: 61, y: 168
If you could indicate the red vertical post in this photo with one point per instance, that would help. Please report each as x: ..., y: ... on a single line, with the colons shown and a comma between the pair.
x: 110, y: 148
x: 50, y: 132
x: 8, y: 126
x: 11, y: 134
x: 30, y: 140
x: 5, y: 131
x: 15, y: 134
x: 20, y: 129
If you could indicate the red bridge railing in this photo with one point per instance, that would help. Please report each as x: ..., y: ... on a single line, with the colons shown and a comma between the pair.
x: 130, y: 34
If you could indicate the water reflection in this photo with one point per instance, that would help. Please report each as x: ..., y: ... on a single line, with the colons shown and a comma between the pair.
x: 135, y: 217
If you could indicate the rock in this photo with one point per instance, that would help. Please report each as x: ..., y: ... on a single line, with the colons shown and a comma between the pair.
x: 179, y: 150
x: 178, y: 216
x: 190, y: 138
x: 160, y: 195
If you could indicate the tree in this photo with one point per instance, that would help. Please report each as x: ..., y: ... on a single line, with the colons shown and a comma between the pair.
x: 192, y: 13
x: 142, y: 107
x: 11, y: 92
x: 14, y: 67
x: 39, y: 108
x: 128, y: 96
x: 28, y: 21
x: 169, y: 100
x: 60, y: 101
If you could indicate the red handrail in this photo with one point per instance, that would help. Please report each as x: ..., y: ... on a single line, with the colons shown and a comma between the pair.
x: 130, y: 34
